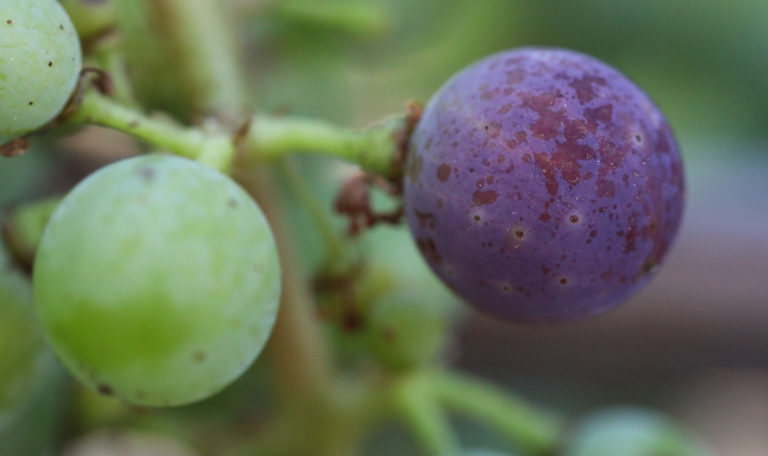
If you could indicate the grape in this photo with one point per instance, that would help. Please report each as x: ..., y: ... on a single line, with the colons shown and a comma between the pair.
x: 542, y: 185
x: 405, y: 331
x: 630, y: 432
x: 29, y: 375
x: 157, y: 281
x: 90, y: 17
x: 39, y: 64
x: 20, y: 341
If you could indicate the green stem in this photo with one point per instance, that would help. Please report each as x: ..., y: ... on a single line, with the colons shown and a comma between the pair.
x: 360, y: 18
x: 415, y: 402
x: 374, y: 149
x: 524, y: 427
x: 214, y: 149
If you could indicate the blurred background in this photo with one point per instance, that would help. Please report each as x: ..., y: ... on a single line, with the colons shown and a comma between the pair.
x: 695, y: 342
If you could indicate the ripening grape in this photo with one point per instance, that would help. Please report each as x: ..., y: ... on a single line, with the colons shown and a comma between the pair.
x: 542, y: 185
x: 404, y: 330
x: 630, y: 432
x: 157, y: 280
x: 39, y: 64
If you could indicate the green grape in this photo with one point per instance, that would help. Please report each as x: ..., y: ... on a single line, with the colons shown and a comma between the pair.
x: 24, y: 227
x: 404, y: 330
x: 91, y: 18
x: 157, y: 281
x: 630, y: 432
x: 20, y: 341
x: 29, y: 376
x: 39, y: 64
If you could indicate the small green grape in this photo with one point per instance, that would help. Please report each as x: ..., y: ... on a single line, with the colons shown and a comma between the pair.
x: 20, y: 341
x: 90, y: 17
x: 40, y: 61
x: 405, y: 331
x: 630, y: 432
x: 29, y: 374
x: 157, y: 281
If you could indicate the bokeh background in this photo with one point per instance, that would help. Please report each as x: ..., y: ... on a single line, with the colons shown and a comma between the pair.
x: 695, y: 342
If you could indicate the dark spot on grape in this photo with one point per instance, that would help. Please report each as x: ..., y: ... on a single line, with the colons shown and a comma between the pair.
x: 638, y: 138
x: 481, y: 197
x: 519, y: 234
x: 199, y: 356
x: 9, y: 22
x: 50, y: 64
x: 31, y: 103
x: 600, y: 114
x: 426, y: 219
x: 61, y: 27
x: 429, y: 250
x: 388, y: 334
x: 593, y: 233
x: 549, y: 121
x: 232, y: 203
x: 583, y: 87
x: 606, y: 188
x: 563, y: 280
x: 477, y: 218
x: 574, y: 219
x: 443, y: 172
x: 147, y: 173
x: 105, y: 389
x: 352, y: 321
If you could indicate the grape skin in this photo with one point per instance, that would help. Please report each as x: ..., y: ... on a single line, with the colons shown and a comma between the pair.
x: 405, y: 331
x: 157, y: 281
x: 40, y: 61
x: 542, y: 185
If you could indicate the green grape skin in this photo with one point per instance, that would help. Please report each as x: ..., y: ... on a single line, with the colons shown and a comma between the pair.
x: 630, y: 431
x: 157, y: 281
x: 40, y: 60
x: 405, y: 331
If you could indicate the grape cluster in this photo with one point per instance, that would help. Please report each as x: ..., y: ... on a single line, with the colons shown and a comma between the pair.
x: 157, y: 280
x: 542, y: 185
x: 39, y: 64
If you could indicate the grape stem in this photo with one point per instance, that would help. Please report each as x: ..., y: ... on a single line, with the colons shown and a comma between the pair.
x: 414, y: 401
x: 266, y: 138
x: 214, y: 149
x: 511, y: 417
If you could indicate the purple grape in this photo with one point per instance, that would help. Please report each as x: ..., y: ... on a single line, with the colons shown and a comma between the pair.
x: 542, y: 185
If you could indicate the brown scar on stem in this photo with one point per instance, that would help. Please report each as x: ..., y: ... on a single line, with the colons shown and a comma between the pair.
x: 402, y: 137
x: 354, y: 201
x: 14, y: 148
